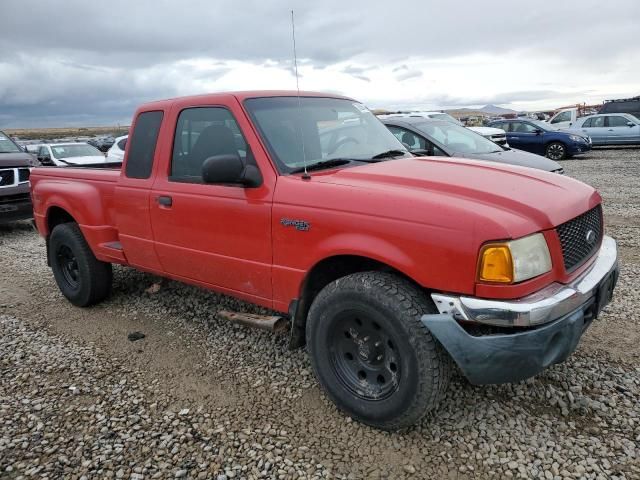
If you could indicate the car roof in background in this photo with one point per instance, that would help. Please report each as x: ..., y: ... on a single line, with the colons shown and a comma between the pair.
x: 414, y: 120
x: 65, y: 144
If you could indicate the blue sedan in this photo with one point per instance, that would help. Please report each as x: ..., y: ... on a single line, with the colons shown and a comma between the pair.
x: 538, y: 137
x: 618, y: 129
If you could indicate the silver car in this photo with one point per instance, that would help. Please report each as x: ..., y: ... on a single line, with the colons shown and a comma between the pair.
x: 610, y: 129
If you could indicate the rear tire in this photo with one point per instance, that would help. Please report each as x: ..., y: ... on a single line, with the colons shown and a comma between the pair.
x: 556, y: 151
x: 371, y: 353
x: 81, y: 277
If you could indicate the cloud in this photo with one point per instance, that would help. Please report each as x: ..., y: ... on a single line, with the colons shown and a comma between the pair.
x: 80, y: 61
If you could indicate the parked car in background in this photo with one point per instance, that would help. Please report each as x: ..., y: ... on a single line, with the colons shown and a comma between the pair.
x: 15, y: 169
x: 102, y: 143
x: 32, y: 148
x: 496, y: 135
x: 116, y: 152
x: 623, y: 105
x: 618, y: 129
x: 70, y: 154
x: 444, y: 139
x: 538, y: 137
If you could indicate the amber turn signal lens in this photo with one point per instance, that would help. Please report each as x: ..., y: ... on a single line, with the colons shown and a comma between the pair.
x: 496, y: 264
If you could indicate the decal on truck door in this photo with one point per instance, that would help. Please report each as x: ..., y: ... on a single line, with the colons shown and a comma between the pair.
x: 299, y: 225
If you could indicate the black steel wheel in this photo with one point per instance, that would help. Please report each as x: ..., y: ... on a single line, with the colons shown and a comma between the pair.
x: 371, y: 353
x: 556, y: 151
x: 81, y: 277
x: 68, y: 265
x: 364, y: 355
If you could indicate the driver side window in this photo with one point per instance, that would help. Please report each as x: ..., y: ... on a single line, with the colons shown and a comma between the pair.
x: 204, y: 132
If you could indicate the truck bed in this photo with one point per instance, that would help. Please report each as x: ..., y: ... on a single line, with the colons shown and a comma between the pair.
x: 89, y: 194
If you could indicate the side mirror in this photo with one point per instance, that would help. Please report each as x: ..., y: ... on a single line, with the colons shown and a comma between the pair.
x: 537, y: 131
x: 631, y: 124
x: 229, y: 168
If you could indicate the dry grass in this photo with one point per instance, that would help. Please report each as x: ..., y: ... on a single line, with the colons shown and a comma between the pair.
x: 51, y: 133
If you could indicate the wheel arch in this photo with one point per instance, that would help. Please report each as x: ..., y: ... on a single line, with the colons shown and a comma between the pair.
x: 323, y: 273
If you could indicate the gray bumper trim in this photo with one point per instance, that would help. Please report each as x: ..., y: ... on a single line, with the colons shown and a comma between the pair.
x: 507, y: 358
x: 544, y: 306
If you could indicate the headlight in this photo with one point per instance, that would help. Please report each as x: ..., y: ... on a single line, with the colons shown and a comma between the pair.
x: 515, y: 261
x: 576, y: 138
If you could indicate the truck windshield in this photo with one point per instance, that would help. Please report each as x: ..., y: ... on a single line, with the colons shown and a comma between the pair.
x: 75, y: 150
x: 331, y: 128
x: 7, y: 145
x: 457, y: 139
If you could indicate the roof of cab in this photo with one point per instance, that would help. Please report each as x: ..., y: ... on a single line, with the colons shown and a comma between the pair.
x: 240, y: 95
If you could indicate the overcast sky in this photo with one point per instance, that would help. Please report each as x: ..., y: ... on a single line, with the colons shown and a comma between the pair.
x: 80, y: 62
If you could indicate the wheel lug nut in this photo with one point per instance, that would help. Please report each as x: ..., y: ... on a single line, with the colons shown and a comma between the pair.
x: 379, y: 357
x: 378, y: 343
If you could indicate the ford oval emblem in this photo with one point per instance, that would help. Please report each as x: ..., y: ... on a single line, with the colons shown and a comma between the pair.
x: 591, y: 237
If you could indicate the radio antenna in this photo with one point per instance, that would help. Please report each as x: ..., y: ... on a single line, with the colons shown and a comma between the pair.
x: 306, y: 175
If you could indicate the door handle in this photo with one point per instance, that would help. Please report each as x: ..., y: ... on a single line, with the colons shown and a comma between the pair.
x: 165, y: 200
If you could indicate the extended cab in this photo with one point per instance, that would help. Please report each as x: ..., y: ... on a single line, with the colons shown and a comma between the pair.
x: 390, y: 267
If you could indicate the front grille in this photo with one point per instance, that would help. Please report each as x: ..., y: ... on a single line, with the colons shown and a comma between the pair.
x: 578, y: 244
x: 7, y: 177
x: 23, y: 174
x: 18, y: 197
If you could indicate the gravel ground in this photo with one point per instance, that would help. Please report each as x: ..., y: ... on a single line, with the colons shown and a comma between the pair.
x: 201, y: 398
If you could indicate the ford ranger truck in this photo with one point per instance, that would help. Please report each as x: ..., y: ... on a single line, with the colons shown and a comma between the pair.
x: 390, y: 268
x: 15, y: 168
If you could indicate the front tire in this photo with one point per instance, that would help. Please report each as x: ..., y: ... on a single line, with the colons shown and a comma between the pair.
x: 556, y: 151
x: 371, y: 353
x: 81, y: 277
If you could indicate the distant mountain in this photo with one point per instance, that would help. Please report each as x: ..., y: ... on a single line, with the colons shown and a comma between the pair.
x: 495, y: 110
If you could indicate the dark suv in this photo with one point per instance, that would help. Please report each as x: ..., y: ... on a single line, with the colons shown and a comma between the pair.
x: 624, y: 105
x: 15, y: 199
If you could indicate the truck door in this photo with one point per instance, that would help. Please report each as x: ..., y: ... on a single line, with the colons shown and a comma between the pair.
x: 133, y: 191
x: 215, y: 234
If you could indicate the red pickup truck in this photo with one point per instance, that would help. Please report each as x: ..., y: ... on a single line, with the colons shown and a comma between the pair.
x: 391, y: 268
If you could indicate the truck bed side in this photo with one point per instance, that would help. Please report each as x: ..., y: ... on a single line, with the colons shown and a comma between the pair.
x: 84, y: 195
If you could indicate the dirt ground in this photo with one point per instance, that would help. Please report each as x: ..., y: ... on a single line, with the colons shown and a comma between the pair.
x: 253, y: 408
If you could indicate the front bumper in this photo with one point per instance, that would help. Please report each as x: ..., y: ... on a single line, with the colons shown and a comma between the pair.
x: 577, y: 148
x: 556, y: 316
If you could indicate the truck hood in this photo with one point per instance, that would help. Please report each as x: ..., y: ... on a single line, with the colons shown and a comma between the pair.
x: 507, y: 201
x: 484, y: 131
x: 18, y: 159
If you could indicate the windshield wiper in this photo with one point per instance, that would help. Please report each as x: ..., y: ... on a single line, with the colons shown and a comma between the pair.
x: 332, y: 162
x: 389, y: 153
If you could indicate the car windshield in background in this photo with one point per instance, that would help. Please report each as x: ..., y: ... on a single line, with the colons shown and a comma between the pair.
x: 444, y: 116
x: 71, y: 151
x: 458, y: 139
x: 332, y: 128
x: 7, y: 145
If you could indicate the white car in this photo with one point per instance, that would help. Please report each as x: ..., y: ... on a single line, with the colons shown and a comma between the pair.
x: 70, y: 154
x: 496, y: 135
x: 116, y: 152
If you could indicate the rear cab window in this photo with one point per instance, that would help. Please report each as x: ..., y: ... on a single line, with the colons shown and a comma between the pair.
x: 143, y: 145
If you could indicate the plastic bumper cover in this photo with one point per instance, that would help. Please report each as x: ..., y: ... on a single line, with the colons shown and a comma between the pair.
x: 561, y: 313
